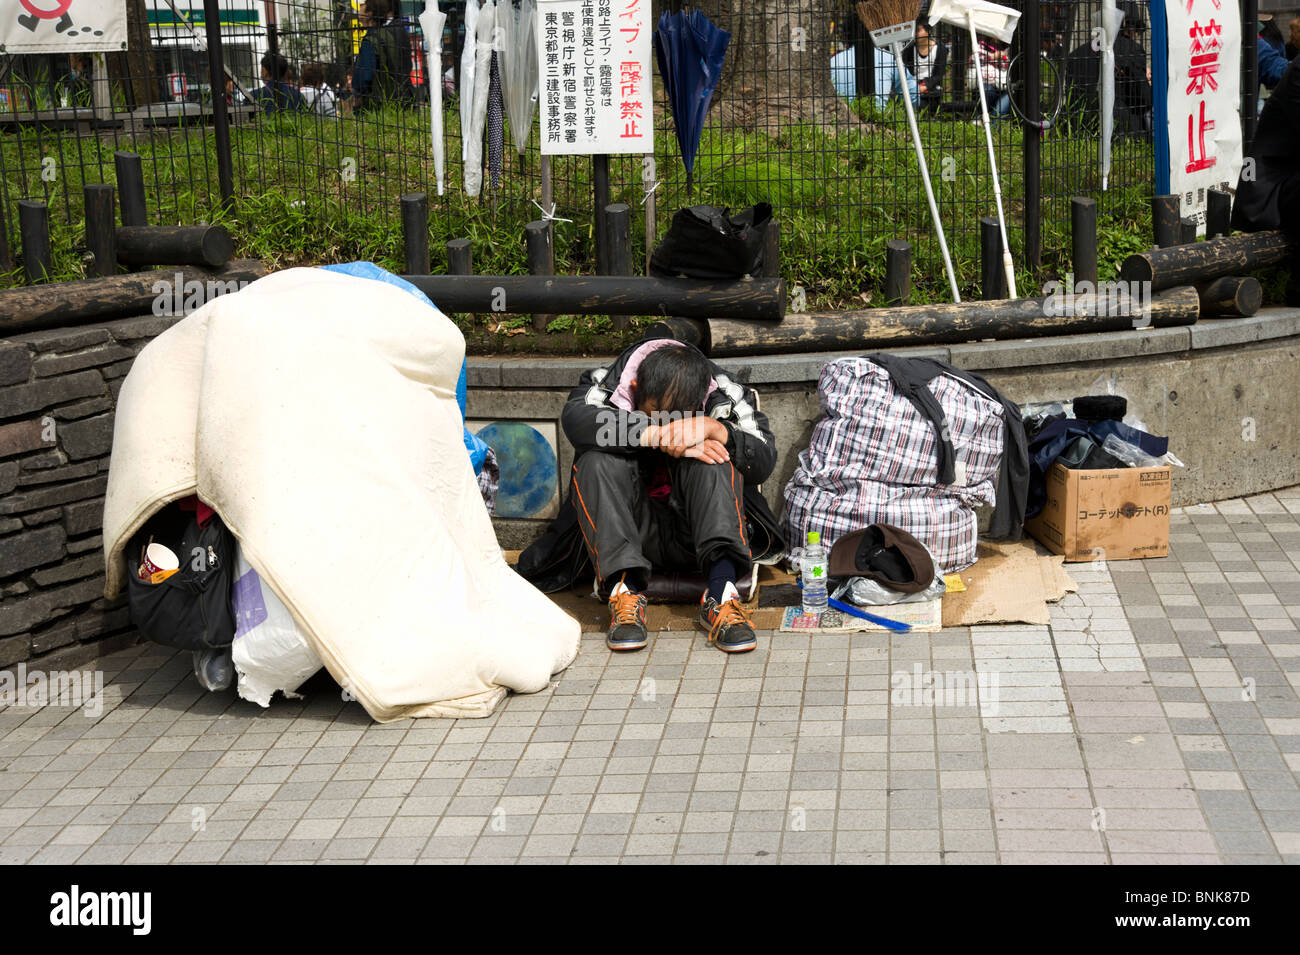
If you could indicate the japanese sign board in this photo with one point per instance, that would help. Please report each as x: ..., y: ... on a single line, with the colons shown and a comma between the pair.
x: 63, y: 26
x: 178, y: 85
x: 595, y: 81
x: 1196, y: 70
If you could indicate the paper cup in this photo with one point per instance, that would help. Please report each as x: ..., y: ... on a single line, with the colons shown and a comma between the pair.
x: 158, y: 563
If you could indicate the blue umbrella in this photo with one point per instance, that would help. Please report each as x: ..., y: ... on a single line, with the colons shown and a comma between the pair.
x: 690, y: 50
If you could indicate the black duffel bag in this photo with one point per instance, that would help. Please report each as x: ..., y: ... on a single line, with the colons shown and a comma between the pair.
x: 705, y: 242
x: 191, y: 609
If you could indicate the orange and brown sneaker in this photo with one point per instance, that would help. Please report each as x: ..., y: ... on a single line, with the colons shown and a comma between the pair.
x: 626, y: 619
x: 727, y: 623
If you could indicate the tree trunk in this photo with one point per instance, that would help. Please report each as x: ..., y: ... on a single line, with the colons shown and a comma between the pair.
x: 778, y: 66
x: 135, y: 69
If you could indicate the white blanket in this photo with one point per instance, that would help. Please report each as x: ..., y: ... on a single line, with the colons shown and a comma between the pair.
x: 316, y: 412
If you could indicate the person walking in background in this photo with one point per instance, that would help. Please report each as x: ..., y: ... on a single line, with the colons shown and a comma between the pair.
x: 927, y: 59
x: 1293, y: 45
x: 316, y: 94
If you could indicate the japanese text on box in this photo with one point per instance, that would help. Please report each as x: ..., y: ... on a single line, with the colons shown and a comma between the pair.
x: 596, y: 91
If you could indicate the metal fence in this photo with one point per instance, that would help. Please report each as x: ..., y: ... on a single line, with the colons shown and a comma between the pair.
x: 803, y: 118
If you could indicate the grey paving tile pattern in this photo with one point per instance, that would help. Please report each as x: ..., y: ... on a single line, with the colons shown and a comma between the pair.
x: 1155, y: 720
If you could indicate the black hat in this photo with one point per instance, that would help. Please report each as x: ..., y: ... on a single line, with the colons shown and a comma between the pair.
x: 886, y: 554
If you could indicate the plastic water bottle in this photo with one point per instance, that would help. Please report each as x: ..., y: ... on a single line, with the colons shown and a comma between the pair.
x: 812, y: 568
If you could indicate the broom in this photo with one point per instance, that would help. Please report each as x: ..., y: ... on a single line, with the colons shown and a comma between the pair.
x: 892, y: 23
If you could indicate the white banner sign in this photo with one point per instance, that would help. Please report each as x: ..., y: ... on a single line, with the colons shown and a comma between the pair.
x: 1204, y: 100
x: 62, y: 26
x: 595, y: 87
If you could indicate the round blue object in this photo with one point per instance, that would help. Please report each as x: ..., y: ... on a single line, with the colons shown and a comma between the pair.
x: 529, y: 468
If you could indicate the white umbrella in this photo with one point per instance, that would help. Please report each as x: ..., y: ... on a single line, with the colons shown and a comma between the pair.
x: 485, y: 33
x: 468, y: 59
x: 1111, y: 18
x: 519, y: 69
x: 432, y: 21
x: 997, y: 21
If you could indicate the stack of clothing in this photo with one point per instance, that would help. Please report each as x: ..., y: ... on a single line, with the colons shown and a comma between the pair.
x: 1076, y: 439
x: 914, y: 443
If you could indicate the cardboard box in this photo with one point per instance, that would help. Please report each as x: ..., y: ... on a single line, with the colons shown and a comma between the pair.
x: 1112, y: 514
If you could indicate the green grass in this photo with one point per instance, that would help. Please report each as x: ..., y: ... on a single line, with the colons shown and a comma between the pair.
x: 838, y: 197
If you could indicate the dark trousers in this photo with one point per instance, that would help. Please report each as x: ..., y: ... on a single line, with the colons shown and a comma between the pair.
x: 701, y: 522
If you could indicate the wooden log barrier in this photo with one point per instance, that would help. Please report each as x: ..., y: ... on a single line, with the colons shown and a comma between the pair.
x: 1200, y: 261
x: 160, y: 292
x: 208, y: 245
x: 944, y: 324
x: 760, y: 299
x: 1186, y: 231
x: 693, y: 331
x: 1233, y: 296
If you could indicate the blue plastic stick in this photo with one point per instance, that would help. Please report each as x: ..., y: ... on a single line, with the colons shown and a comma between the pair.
x: 852, y: 611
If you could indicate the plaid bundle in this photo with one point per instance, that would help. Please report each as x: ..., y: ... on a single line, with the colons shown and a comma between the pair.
x: 873, y: 459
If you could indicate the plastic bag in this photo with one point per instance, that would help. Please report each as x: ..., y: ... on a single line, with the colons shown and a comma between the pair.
x: 270, y: 652
x: 868, y: 593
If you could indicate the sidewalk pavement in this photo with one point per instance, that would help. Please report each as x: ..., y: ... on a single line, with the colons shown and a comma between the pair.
x: 1155, y: 721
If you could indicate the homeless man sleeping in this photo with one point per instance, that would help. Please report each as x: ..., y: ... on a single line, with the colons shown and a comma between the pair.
x: 669, y: 453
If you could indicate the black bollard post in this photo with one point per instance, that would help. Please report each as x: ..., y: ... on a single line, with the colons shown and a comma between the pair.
x: 34, y: 227
x: 537, y: 243
x: 1218, y: 213
x: 618, y: 231
x: 1164, y: 220
x: 101, y: 228
x: 1083, y: 239
x: 415, y: 232
x: 130, y: 188
x: 600, y: 188
x: 1186, y: 231
x: 993, y: 278
x: 460, y: 257
x: 898, y: 271
x: 772, y: 250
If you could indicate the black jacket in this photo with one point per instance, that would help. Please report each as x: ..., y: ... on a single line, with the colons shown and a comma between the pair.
x: 591, y: 420
x: 910, y: 377
x: 1271, y: 198
x: 934, y: 85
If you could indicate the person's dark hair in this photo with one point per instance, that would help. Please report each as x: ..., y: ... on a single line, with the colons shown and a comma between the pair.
x: 676, y: 378
x: 1270, y: 31
x: 275, y: 65
x: 313, y: 74
x: 380, y: 9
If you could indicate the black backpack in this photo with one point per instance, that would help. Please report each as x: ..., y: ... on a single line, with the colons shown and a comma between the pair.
x: 191, y: 609
x: 705, y: 242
